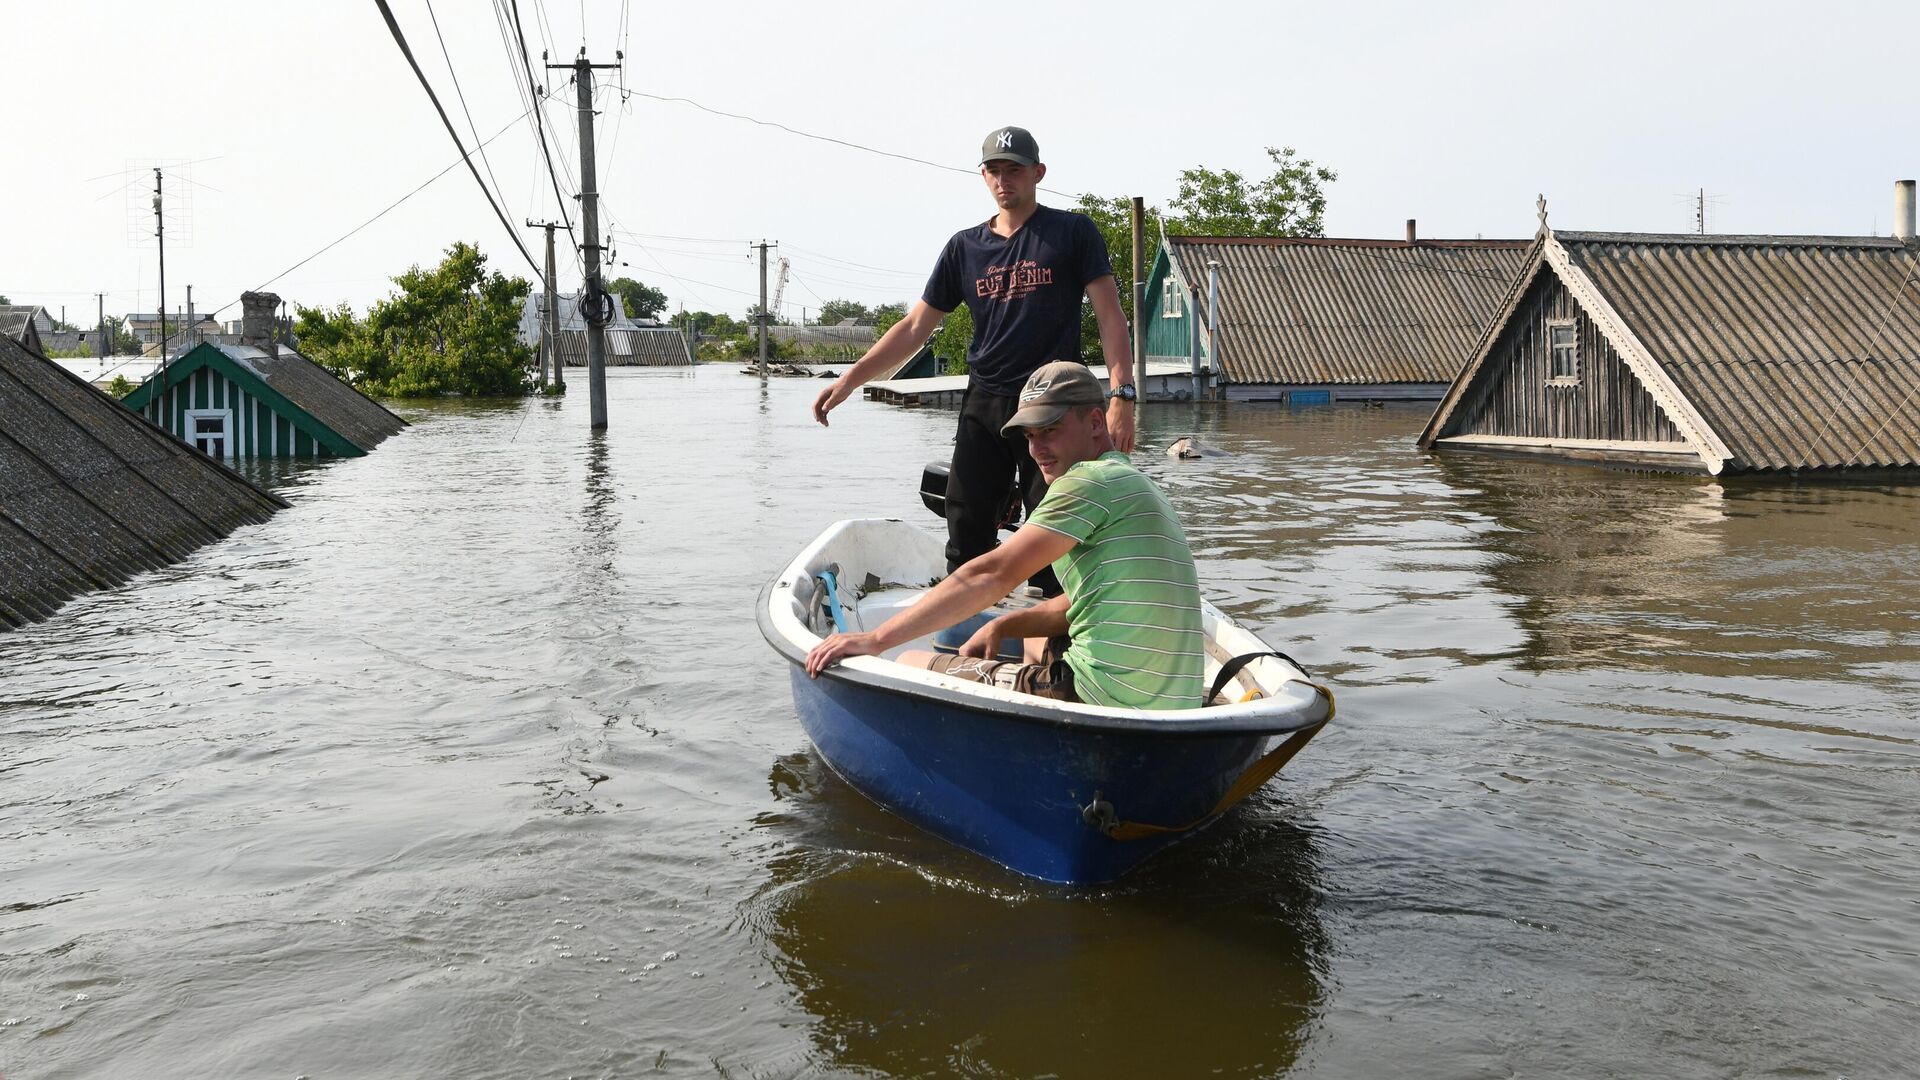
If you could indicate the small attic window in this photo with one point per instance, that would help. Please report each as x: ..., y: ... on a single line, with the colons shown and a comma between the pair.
x: 1170, y: 307
x: 1563, y: 348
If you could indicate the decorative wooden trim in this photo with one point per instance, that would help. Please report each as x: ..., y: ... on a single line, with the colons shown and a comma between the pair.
x: 1520, y: 441
x: 1572, y: 380
x: 1635, y: 355
x: 1489, y: 336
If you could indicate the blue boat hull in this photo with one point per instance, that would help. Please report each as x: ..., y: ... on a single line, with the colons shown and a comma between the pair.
x: 1012, y: 790
x: 1062, y: 791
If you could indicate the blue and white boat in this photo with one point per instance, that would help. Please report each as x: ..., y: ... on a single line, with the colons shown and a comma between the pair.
x: 1064, y: 792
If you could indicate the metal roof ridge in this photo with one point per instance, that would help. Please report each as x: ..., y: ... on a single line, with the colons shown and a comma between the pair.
x: 1889, y: 243
x: 1353, y: 241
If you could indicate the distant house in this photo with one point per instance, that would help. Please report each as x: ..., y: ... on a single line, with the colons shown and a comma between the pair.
x: 628, y: 343
x: 1713, y: 354
x: 1312, y: 320
x: 91, y: 494
x: 261, y: 399
x: 847, y: 336
x: 27, y: 324
x: 183, y: 330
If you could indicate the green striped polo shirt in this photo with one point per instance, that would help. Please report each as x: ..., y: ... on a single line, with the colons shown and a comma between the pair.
x: 1133, y: 596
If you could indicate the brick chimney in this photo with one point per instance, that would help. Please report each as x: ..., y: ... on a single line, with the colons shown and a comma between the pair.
x: 258, y: 321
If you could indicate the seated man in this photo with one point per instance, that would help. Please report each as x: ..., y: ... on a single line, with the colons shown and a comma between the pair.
x: 1131, y: 609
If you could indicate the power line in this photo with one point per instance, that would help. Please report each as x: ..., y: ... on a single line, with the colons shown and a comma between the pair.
x: 462, y: 96
x: 827, y: 138
x: 390, y: 207
x: 849, y: 262
x: 539, y: 121
x: 401, y: 40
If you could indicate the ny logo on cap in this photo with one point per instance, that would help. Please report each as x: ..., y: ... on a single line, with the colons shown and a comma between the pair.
x: 1006, y: 140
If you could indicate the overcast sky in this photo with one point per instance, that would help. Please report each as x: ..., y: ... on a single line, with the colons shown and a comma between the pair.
x: 301, y: 121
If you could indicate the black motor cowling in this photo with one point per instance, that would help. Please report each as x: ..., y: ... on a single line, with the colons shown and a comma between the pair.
x: 933, y: 488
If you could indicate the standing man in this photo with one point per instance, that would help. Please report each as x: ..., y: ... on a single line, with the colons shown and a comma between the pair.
x: 1021, y: 274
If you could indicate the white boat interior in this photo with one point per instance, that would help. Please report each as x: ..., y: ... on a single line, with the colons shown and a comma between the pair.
x: 879, y: 566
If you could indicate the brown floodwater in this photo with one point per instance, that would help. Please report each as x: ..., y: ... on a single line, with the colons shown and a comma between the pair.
x: 472, y: 763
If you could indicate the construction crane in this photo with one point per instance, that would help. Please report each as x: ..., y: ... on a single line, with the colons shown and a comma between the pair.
x: 779, y: 290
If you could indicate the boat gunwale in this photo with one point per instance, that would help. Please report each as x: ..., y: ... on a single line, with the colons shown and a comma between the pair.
x: 1272, y: 715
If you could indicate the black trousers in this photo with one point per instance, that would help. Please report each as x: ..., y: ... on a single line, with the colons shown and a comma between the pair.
x: 981, y: 483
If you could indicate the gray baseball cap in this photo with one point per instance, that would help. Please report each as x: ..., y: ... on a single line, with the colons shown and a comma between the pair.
x: 1010, y: 144
x: 1053, y: 390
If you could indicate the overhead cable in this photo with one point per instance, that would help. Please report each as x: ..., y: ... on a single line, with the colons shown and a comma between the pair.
x: 401, y: 40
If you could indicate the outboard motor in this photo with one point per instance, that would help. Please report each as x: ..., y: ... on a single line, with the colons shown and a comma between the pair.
x: 933, y: 495
x: 933, y: 488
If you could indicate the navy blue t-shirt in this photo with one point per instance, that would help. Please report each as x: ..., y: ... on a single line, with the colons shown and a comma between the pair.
x: 1024, y: 292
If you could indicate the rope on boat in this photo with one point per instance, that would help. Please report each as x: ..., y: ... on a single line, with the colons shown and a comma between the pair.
x: 1100, y: 814
x: 833, y: 600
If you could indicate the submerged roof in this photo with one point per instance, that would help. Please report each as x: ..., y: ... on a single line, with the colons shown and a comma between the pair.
x: 296, y: 381
x: 91, y: 494
x: 1794, y: 352
x: 629, y: 346
x: 1311, y: 310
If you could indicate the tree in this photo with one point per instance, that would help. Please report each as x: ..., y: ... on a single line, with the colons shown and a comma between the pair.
x: 834, y: 312
x: 885, y: 316
x: 638, y: 300
x: 1291, y: 202
x: 951, y: 340
x: 1288, y: 203
x: 453, y: 329
x: 120, y: 340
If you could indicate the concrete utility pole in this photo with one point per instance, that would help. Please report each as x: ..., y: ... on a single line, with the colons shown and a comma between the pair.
x: 764, y: 315
x: 549, y: 314
x: 186, y: 328
x: 160, y: 233
x: 593, y: 292
x: 100, y: 326
x: 1139, y: 291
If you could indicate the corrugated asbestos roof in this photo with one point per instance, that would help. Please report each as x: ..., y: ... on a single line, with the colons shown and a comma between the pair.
x: 91, y: 494
x: 17, y: 323
x: 662, y: 346
x: 1314, y: 310
x: 1799, y: 351
x: 357, y: 418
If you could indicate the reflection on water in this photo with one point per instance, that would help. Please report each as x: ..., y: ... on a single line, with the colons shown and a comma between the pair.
x: 946, y: 966
x: 473, y: 763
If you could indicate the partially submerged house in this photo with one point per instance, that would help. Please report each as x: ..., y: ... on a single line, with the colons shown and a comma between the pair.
x: 1313, y: 320
x: 1696, y: 353
x: 91, y: 494
x: 260, y: 399
x: 628, y: 343
x: 27, y: 324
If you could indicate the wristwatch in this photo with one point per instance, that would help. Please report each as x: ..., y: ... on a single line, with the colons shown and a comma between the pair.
x: 1124, y: 392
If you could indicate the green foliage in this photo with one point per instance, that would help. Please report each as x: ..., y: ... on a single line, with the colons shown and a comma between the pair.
x: 1288, y: 203
x: 640, y: 301
x: 121, y: 386
x: 885, y: 316
x: 120, y: 340
x: 951, y: 340
x: 1291, y: 202
x: 449, y: 330
x: 835, y: 312
x: 707, y: 324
